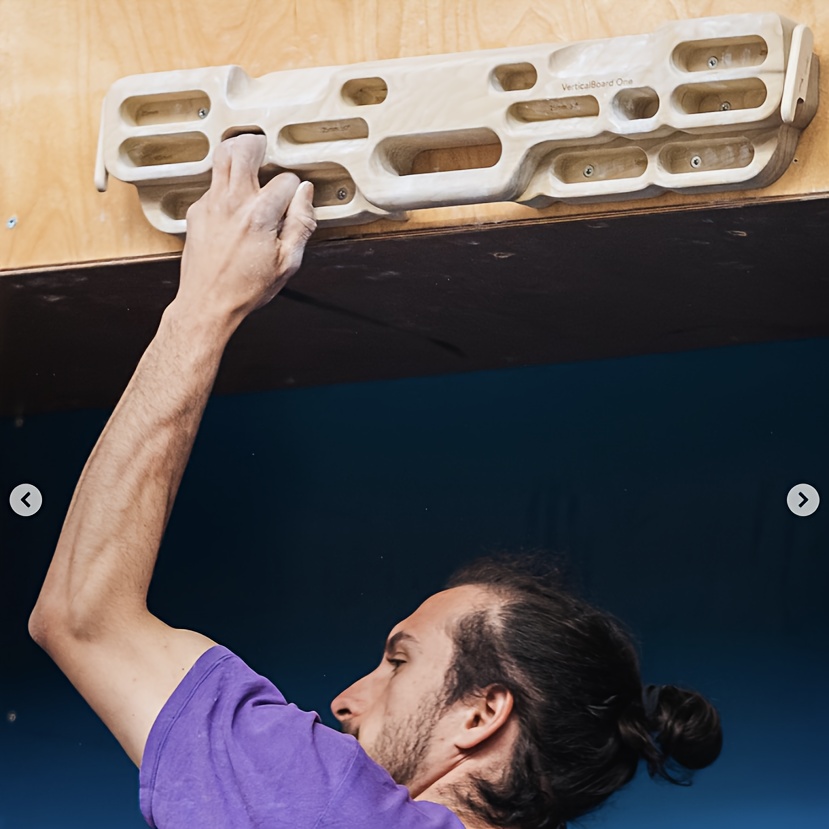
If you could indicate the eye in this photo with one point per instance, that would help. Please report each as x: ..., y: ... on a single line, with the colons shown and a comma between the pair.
x: 396, y: 663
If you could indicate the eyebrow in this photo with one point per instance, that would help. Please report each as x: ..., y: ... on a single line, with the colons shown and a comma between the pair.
x: 401, y: 636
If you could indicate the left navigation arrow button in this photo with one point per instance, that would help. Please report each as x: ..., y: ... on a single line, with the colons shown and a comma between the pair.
x: 25, y: 500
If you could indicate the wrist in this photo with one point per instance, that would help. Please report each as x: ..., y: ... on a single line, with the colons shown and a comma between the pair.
x: 198, y: 329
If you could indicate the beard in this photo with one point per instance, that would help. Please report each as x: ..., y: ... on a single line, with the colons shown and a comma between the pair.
x: 401, y: 747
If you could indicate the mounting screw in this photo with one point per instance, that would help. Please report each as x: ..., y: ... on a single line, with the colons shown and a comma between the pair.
x: 11, y: 222
x: 712, y: 62
x: 588, y: 171
x: 696, y: 162
x: 342, y: 193
x: 725, y: 106
x: 203, y: 112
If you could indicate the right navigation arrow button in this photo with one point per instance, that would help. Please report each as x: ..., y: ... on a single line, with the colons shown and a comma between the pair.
x: 803, y: 500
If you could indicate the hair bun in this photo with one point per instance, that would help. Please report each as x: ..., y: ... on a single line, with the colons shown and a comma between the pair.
x: 685, y: 726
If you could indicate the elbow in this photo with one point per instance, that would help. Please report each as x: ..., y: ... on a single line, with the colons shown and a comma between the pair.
x: 52, y: 624
x: 52, y: 617
x: 48, y: 623
x: 44, y: 620
x: 38, y: 628
x: 41, y: 625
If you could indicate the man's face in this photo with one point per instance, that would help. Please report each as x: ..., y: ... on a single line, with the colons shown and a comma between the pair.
x: 396, y: 712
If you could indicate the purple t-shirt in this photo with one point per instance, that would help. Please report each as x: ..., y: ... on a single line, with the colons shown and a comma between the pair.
x: 228, y: 751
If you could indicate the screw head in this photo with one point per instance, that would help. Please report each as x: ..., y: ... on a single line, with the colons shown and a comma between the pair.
x: 588, y: 171
x: 11, y: 222
x: 696, y: 162
x: 713, y: 62
x: 203, y: 112
x: 342, y: 193
x: 725, y: 106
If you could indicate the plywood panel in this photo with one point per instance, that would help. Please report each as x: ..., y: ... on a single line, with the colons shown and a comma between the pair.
x: 58, y: 58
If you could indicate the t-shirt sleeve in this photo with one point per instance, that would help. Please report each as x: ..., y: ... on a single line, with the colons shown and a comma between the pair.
x: 228, y: 751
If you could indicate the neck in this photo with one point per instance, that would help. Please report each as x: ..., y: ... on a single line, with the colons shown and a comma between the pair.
x: 446, y: 794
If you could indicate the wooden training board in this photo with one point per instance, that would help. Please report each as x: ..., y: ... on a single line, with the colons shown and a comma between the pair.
x: 58, y: 59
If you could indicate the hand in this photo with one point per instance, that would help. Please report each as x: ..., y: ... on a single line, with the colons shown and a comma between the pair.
x: 243, y: 242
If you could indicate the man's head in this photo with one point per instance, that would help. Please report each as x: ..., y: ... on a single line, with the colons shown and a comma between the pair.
x: 400, y: 712
x: 520, y: 699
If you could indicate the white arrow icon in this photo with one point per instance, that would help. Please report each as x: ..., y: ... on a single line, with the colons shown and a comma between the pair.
x: 803, y: 500
x: 25, y: 500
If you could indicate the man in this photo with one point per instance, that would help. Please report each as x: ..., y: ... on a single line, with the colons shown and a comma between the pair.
x: 502, y: 701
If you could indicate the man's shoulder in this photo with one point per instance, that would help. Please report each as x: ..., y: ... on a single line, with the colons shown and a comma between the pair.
x: 228, y: 747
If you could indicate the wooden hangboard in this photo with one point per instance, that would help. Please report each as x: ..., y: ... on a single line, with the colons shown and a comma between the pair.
x: 59, y: 57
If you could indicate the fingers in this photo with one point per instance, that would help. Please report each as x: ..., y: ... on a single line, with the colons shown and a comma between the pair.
x: 236, y: 164
x: 274, y: 200
x: 284, y: 206
x: 221, y: 167
x: 248, y: 155
x: 299, y: 223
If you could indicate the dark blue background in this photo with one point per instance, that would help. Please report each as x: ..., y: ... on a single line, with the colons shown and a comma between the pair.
x: 310, y: 521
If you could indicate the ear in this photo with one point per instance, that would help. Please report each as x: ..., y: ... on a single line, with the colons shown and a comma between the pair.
x: 484, y: 716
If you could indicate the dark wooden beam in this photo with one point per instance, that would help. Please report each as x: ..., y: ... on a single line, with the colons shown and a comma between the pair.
x: 446, y: 302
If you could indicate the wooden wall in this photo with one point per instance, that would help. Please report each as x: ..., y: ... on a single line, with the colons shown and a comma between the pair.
x: 59, y: 57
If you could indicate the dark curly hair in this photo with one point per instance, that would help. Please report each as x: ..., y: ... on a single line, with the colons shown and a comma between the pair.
x: 585, y: 717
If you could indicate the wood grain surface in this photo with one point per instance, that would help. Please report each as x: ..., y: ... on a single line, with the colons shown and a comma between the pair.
x: 59, y: 57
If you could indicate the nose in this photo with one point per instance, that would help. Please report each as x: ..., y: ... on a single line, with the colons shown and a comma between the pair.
x: 352, y: 703
x: 341, y: 707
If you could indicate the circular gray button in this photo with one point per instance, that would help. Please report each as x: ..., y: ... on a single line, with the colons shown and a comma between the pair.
x: 25, y: 500
x: 803, y: 500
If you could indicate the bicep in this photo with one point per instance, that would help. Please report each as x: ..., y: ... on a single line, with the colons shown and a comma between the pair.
x: 128, y: 675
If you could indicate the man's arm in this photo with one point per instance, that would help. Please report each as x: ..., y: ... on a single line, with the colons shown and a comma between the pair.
x: 91, y: 617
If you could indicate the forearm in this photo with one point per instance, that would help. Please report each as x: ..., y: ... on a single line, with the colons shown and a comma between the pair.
x: 105, y: 557
x: 243, y: 244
